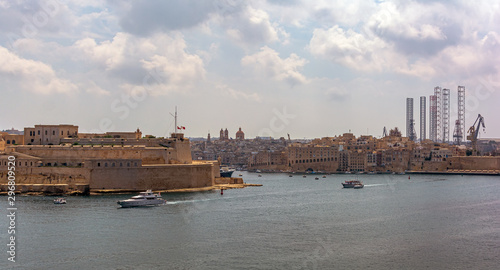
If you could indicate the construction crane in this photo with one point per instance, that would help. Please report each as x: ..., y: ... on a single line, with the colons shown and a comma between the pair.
x: 474, y: 131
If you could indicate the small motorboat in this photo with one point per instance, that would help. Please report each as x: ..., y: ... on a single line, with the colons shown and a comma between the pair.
x: 316, y: 178
x: 59, y: 201
x: 324, y: 176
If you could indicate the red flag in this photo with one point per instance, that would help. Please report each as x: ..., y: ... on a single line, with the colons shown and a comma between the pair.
x: 183, y: 127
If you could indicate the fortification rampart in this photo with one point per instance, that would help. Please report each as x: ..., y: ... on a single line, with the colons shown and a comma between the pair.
x: 157, y: 177
x: 148, y: 155
x: 474, y: 163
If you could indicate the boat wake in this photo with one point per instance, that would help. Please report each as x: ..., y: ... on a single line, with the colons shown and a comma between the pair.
x: 188, y: 201
x: 374, y: 185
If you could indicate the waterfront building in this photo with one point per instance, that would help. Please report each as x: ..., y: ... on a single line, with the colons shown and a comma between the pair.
x: 57, y: 160
x: 49, y: 134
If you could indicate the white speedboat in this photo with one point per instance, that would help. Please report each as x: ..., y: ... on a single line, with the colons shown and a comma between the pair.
x: 60, y: 201
x: 146, y: 198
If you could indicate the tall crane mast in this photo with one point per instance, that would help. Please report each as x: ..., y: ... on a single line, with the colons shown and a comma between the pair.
x: 474, y: 131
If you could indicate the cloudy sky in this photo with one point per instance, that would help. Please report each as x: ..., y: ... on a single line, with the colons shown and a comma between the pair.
x: 276, y: 67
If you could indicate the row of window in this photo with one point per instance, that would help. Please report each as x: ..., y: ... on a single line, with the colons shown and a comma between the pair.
x: 19, y: 163
x: 114, y: 165
x: 32, y: 133
x: 314, y: 160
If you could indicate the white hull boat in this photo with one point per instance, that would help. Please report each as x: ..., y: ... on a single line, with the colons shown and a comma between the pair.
x: 147, y: 198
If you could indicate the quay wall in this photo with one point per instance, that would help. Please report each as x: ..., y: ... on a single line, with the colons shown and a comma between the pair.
x: 48, y: 180
x: 90, y: 177
x: 474, y: 163
x: 156, y: 177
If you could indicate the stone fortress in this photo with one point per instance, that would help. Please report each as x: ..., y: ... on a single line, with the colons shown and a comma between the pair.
x: 58, y: 159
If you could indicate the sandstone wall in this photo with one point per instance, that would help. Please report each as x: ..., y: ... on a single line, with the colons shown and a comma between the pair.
x: 156, y: 177
x: 148, y: 155
x: 474, y: 163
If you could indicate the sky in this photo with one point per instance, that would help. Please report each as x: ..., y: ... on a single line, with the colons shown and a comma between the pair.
x: 306, y: 68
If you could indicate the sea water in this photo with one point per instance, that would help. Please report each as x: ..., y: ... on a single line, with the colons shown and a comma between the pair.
x: 394, y: 222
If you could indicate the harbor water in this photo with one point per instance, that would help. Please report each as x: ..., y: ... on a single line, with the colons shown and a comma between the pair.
x: 394, y: 222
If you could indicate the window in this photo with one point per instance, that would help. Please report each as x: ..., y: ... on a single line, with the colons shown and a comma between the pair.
x: 46, y: 132
x: 98, y: 164
x: 13, y: 141
x: 53, y: 132
x: 8, y: 141
x: 39, y: 132
x: 62, y: 132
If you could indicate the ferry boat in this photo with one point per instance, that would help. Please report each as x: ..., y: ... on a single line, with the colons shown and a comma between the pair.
x: 353, y: 184
x: 146, y: 198
x: 60, y: 201
x: 226, y: 172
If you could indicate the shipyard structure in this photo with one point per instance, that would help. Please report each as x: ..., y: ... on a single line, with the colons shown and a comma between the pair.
x: 58, y: 159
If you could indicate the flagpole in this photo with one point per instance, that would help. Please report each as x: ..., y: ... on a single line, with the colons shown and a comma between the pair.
x: 175, y: 119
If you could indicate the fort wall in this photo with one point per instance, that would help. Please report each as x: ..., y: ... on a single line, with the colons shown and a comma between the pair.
x: 148, y: 155
x: 474, y: 163
x: 156, y: 177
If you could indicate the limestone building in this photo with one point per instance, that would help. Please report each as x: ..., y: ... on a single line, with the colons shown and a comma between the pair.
x: 49, y: 134
x: 57, y: 159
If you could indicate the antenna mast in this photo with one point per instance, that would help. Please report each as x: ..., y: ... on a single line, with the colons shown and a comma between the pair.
x: 175, y: 118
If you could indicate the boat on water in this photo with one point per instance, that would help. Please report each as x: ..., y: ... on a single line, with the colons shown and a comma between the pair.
x: 324, y: 176
x: 353, y: 184
x: 60, y: 201
x: 316, y: 178
x: 146, y: 198
x: 226, y: 172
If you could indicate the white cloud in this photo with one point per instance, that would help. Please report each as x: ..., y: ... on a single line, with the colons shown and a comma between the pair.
x: 251, y: 26
x: 30, y: 75
x: 267, y: 63
x: 413, y: 21
x: 159, y: 63
x: 353, y: 49
x: 235, y: 94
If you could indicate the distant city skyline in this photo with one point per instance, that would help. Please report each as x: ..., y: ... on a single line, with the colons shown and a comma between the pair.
x: 308, y: 69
